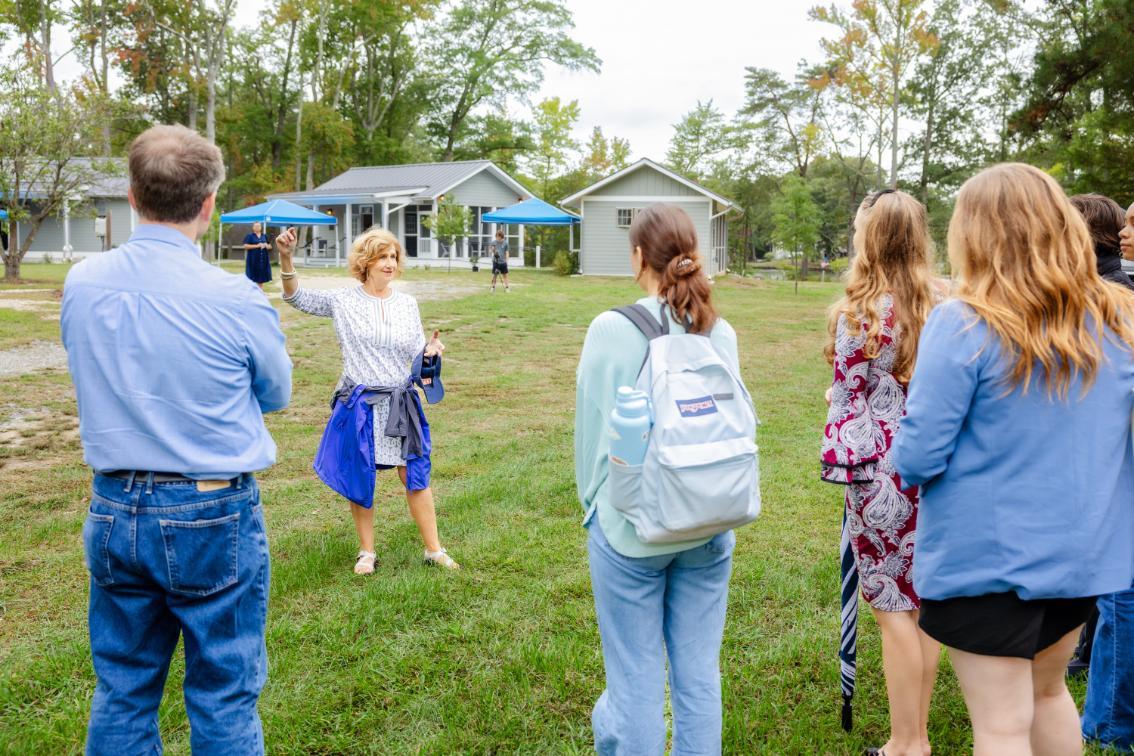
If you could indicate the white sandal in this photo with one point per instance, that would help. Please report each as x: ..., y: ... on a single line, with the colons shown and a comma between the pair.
x: 441, y: 559
x: 364, y: 565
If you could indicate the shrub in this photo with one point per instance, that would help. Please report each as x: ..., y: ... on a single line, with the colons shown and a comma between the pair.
x: 565, y: 263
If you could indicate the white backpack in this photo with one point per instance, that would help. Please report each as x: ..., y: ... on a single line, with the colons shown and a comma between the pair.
x: 701, y: 474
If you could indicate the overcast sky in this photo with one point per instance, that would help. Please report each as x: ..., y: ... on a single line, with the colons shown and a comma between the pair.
x: 659, y: 57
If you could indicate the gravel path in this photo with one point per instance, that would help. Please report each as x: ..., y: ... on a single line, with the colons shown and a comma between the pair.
x: 37, y: 355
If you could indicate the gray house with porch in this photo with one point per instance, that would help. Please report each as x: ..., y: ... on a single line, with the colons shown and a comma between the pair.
x: 96, y: 219
x: 401, y: 197
x: 608, y: 208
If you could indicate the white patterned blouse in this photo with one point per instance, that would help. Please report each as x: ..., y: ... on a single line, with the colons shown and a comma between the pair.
x: 379, y: 340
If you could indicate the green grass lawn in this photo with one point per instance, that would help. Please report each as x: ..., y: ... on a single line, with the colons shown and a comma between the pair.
x: 502, y: 657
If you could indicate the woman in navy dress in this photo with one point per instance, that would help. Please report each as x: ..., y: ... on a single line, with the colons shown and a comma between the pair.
x: 257, y: 266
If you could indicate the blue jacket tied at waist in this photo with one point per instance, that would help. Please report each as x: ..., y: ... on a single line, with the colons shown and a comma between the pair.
x: 345, y: 458
x: 404, y: 421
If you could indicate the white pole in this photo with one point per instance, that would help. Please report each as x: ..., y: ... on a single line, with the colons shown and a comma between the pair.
x: 347, y: 230
x: 66, y: 229
x: 571, y: 237
x: 537, y: 253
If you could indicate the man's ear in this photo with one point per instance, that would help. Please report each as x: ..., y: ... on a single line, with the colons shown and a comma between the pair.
x: 207, y: 208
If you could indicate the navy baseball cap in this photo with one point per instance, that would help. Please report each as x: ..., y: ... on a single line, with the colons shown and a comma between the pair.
x: 427, y: 374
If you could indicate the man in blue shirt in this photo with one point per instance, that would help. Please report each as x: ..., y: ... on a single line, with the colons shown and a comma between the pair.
x: 174, y: 363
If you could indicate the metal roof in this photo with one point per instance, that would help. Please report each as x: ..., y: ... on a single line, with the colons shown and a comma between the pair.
x: 727, y: 204
x: 104, y: 177
x: 436, y: 178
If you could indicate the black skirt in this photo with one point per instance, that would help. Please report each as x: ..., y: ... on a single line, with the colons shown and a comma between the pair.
x: 1002, y: 624
x: 257, y: 266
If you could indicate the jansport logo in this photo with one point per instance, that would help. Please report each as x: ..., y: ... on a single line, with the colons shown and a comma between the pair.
x: 696, y: 407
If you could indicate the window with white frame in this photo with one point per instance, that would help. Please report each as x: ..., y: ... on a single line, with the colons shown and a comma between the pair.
x: 625, y: 216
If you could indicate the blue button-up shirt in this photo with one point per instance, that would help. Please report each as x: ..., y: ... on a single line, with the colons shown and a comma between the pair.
x: 174, y: 361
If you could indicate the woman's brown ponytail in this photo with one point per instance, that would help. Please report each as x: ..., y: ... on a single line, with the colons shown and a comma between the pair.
x: 668, y: 240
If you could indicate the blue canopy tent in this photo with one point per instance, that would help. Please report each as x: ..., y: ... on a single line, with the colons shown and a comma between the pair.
x: 3, y: 214
x: 535, y: 212
x: 280, y: 213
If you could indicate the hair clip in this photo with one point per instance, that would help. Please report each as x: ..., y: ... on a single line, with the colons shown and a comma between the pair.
x: 686, y: 261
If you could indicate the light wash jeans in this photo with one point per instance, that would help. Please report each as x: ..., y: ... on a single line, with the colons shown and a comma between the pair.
x: 1108, y: 717
x: 647, y: 609
x: 167, y: 560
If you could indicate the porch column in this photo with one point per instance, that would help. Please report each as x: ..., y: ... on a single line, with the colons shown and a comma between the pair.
x: 385, y: 215
x: 434, y: 246
x: 315, y: 234
x: 348, y: 236
x: 133, y: 219
x: 67, y: 230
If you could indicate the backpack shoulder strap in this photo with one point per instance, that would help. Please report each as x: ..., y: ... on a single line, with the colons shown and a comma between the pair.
x: 644, y: 321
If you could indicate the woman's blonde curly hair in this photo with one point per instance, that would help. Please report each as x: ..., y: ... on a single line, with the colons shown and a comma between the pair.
x: 366, y: 249
x: 1026, y: 265
x: 892, y: 256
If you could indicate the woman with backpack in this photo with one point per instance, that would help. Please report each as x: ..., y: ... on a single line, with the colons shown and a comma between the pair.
x: 873, y: 344
x: 651, y: 599
x: 1017, y: 429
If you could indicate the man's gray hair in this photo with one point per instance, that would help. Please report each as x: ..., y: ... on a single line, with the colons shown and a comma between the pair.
x: 172, y: 171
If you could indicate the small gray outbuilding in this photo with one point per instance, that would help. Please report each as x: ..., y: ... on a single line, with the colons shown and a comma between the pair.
x: 607, y: 208
x: 96, y: 219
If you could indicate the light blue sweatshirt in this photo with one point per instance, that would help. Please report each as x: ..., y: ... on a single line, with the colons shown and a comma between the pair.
x: 613, y: 353
x: 1020, y: 492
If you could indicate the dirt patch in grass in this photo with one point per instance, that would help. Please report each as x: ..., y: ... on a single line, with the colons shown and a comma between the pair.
x: 28, y: 438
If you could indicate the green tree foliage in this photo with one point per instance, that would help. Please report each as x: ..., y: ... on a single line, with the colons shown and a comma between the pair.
x: 603, y: 156
x: 795, y: 222
x: 784, y: 115
x: 873, y: 54
x: 1079, y: 112
x: 489, y: 49
x: 700, y: 138
x: 553, y: 143
x: 43, y: 136
x: 450, y: 223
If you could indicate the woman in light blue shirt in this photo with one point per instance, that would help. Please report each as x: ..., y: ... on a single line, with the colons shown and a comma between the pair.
x: 651, y: 599
x: 1017, y: 428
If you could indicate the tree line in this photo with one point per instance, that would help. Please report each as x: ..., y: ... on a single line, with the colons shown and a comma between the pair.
x: 911, y: 93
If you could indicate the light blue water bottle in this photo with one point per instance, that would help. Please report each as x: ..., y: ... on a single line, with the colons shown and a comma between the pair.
x: 629, y: 427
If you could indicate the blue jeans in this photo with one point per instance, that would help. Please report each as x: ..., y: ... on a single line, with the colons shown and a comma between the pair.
x: 647, y: 609
x: 167, y: 560
x: 1108, y: 716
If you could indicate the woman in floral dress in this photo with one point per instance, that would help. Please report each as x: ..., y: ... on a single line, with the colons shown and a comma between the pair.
x: 874, y: 334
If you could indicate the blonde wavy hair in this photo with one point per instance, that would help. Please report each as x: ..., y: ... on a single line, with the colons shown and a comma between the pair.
x: 892, y: 256
x: 1026, y: 265
x: 367, y: 247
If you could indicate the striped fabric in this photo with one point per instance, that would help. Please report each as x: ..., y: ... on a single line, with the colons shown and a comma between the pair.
x: 848, y: 639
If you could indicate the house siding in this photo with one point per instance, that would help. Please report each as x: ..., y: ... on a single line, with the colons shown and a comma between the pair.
x: 49, y: 238
x: 646, y: 182
x: 605, y: 248
x: 485, y: 189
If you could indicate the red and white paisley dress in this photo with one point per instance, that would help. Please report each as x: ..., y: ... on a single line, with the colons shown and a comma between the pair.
x: 867, y: 407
